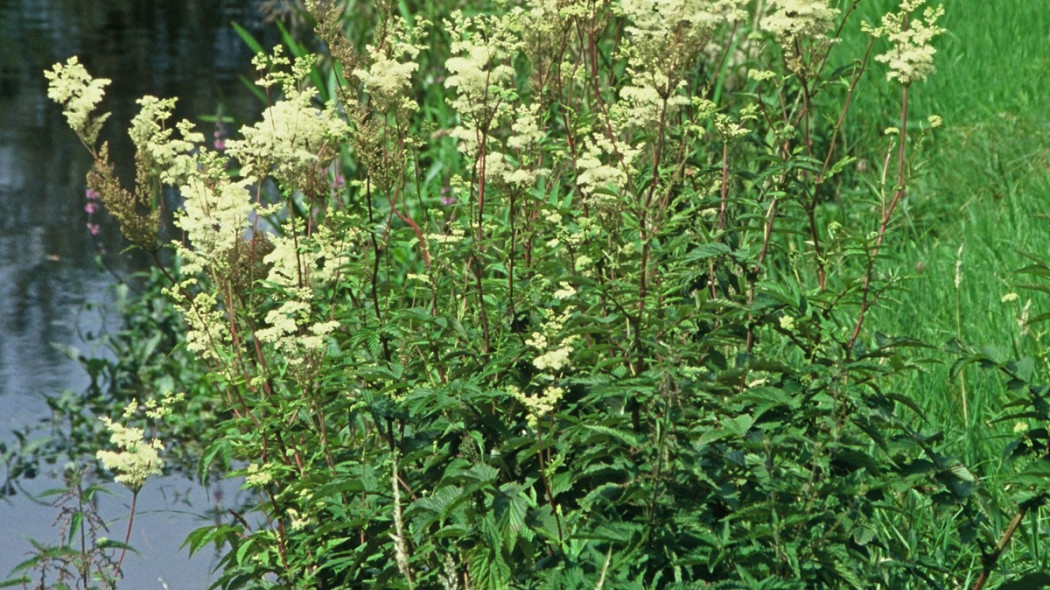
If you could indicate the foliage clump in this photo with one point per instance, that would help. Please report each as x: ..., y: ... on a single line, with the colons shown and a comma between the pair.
x: 546, y: 297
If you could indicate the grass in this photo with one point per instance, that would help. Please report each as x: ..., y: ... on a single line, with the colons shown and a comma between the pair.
x: 984, y: 191
x: 980, y: 189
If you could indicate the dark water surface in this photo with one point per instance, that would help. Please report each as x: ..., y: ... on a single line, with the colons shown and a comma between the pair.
x: 51, y: 289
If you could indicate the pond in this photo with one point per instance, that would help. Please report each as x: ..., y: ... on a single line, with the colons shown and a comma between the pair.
x: 56, y: 272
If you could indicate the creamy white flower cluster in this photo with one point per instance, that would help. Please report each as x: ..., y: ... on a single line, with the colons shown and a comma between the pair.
x: 599, y: 174
x: 537, y: 406
x: 256, y: 476
x: 71, y: 86
x: 662, y: 40
x: 299, y: 265
x: 388, y: 77
x: 207, y: 325
x: 173, y: 159
x: 136, y: 459
x: 663, y: 37
x: 690, y: 21
x: 294, y: 137
x: 554, y: 356
x: 911, y: 57
x: 554, y: 352
x: 293, y: 140
x: 798, y: 22
x: 481, y: 73
x: 792, y: 20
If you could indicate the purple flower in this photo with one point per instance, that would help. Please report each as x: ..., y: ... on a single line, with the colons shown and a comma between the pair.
x: 90, y: 207
x: 447, y: 199
x: 220, y: 141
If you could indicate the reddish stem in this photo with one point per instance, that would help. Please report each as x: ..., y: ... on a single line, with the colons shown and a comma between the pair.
x: 127, y: 534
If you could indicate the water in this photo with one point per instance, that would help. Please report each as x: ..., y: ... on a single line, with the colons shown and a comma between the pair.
x: 51, y: 289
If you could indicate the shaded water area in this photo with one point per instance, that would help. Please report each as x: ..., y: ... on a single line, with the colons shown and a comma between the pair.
x: 52, y: 289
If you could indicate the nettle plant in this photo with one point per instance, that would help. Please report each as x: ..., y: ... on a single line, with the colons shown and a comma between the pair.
x: 578, y: 303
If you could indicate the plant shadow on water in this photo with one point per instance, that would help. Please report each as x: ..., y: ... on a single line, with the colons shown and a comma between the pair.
x: 59, y: 259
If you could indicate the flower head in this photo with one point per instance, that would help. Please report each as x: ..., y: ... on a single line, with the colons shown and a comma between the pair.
x: 538, y: 405
x: 389, y: 76
x: 135, y: 460
x: 796, y: 23
x: 71, y: 86
x: 911, y: 57
x: 257, y: 477
x: 294, y: 137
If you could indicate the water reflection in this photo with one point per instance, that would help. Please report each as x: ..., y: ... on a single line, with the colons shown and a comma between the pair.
x: 48, y: 270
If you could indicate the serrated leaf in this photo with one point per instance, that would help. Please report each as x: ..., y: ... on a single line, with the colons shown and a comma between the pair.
x: 197, y: 539
x: 242, y: 551
x: 960, y: 471
x: 739, y: 425
x: 863, y: 535
x: 218, y: 450
x: 488, y: 571
x: 511, y: 508
x: 705, y: 251
x: 628, y: 438
x: 482, y: 472
x: 75, y: 523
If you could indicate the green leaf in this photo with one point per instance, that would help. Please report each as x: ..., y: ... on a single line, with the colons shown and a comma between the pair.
x: 618, y: 532
x: 218, y: 451
x: 248, y: 39
x: 217, y: 535
x: 705, y: 251
x: 241, y: 555
x: 628, y: 438
x: 482, y: 472
x: 863, y: 535
x: 739, y: 425
x: 75, y: 523
x: 511, y: 507
x: 441, y: 503
x: 486, y: 564
x: 959, y: 470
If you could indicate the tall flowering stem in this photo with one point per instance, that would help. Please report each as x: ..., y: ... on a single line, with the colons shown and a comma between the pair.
x: 910, y: 60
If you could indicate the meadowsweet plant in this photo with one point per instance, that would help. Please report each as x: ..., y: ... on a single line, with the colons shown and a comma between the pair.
x: 87, y: 559
x: 545, y: 295
x: 135, y: 459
